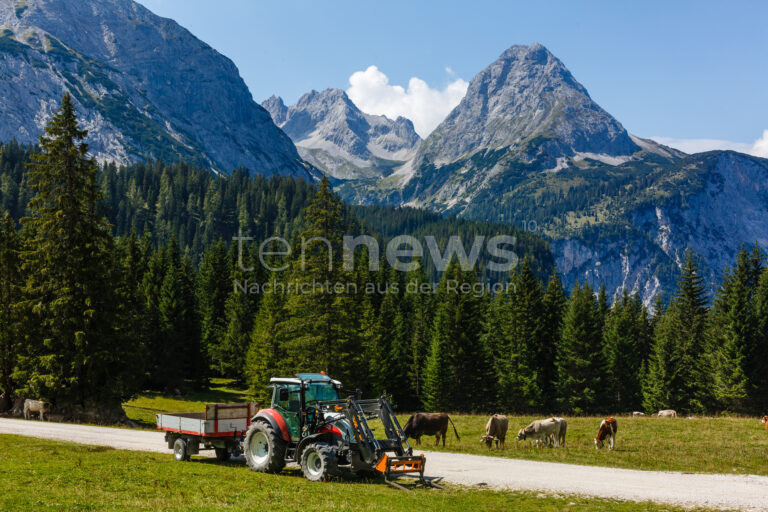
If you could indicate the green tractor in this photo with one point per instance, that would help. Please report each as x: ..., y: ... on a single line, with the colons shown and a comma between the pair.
x: 308, y: 423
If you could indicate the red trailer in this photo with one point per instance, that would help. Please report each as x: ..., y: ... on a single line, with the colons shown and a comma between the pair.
x: 221, y: 428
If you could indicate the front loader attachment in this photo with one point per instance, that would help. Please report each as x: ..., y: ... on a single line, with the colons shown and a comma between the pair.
x: 407, y: 465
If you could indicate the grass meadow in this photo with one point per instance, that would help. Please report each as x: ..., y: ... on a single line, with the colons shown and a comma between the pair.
x: 44, y: 475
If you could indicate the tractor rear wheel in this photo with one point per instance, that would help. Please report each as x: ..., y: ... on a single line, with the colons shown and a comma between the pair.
x: 264, y: 448
x: 318, y: 462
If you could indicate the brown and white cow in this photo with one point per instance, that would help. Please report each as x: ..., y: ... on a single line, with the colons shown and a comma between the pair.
x: 764, y: 419
x: 429, y: 424
x: 607, y: 430
x: 38, y: 406
x: 495, y: 430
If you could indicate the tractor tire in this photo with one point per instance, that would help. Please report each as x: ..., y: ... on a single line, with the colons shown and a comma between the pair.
x: 222, y: 454
x: 180, y: 450
x: 318, y: 462
x: 264, y: 449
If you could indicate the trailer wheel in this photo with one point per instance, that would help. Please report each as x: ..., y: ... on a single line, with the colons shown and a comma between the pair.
x: 222, y: 454
x: 180, y: 451
x: 264, y: 449
x: 318, y: 462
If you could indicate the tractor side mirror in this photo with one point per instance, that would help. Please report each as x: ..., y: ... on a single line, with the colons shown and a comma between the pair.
x: 283, y: 395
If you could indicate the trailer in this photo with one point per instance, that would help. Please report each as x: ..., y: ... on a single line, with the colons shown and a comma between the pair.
x: 222, y: 428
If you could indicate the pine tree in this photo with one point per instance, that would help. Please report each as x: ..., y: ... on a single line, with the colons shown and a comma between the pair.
x: 662, y: 387
x: 75, y: 354
x: 321, y: 329
x: 759, y: 357
x: 213, y: 288
x: 555, y: 303
x: 417, y: 311
x: 459, y: 372
x: 690, y: 321
x: 580, y: 360
x: 679, y: 372
x: 521, y: 315
x: 623, y: 337
x: 11, y: 283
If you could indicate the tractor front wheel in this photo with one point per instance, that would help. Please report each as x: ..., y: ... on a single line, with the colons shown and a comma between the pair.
x: 318, y: 462
x: 264, y: 449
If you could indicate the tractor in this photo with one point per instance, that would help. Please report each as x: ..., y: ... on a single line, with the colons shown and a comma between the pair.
x: 309, y: 424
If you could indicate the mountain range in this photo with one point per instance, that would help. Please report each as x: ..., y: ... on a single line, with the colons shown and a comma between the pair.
x: 527, y: 145
x: 145, y: 87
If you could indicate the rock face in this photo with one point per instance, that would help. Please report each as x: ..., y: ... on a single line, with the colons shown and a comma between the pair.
x: 528, y: 146
x: 335, y: 136
x: 527, y: 92
x: 145, y: 87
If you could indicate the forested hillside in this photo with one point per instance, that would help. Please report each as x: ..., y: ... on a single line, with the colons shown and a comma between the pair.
x: 88, y: 316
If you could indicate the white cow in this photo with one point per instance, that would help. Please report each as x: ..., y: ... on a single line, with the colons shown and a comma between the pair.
x: 667, y: 413
x: 541, y: 431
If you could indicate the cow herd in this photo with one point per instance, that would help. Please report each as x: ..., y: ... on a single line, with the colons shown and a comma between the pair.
x: 549, y: 432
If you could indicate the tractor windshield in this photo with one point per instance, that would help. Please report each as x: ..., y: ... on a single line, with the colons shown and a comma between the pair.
x: 320, y: 392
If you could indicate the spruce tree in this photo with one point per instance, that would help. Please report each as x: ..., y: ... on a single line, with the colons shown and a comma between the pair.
x: 213, y: 287
x: 623, y: 337
x: 74, y: 354
x: 459, y: 372
x: 11, y: 283
x: 580, y: 360
x: 555, y: 303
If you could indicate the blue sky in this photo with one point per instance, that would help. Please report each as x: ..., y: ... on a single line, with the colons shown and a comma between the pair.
x: 679, y: 70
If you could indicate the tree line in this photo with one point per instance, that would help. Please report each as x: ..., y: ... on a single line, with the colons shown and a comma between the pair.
x: 92, y: 314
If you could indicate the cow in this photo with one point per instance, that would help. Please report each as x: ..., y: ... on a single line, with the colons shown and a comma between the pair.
x: 37, y: 406
x: 637, y: 414
x: 495, y: 430
x: 562, y: 428
x: 764, y: 419
x: 608, y: 428
x: 666, y: 413
x: 541, y: 431
x: 429, y: 424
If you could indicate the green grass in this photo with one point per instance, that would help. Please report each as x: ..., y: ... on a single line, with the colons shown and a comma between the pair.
x: 38, y: 474
x: 719, y: 445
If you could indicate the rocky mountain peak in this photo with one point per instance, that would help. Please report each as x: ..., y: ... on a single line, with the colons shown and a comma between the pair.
x: 333, y: 134
x: 527, y: 93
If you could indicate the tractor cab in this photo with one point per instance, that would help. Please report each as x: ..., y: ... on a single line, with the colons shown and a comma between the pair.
x: 296, y: 399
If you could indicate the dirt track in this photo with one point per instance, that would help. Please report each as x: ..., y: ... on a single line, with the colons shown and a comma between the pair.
x: 744, y: 492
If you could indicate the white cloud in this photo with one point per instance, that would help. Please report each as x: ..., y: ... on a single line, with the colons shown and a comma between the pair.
x: 371, y: 91
x: 758, y: 148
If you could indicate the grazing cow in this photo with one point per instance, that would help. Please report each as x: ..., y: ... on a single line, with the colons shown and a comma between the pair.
x: 37, y: 406
x: 608, y: 428
x: 541, y: 431
x: 638, y: 413
x: 562, y: 428
x: 429, y: 424
x: 764, y: 419
x: 667, y: 413
x: 495, y: 430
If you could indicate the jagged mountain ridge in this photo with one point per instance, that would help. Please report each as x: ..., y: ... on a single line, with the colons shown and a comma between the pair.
x: 145, y: 87
x: 332, y: 133
x: 528, y: 146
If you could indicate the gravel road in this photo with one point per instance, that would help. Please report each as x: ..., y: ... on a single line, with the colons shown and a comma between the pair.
x: 745, y: 492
